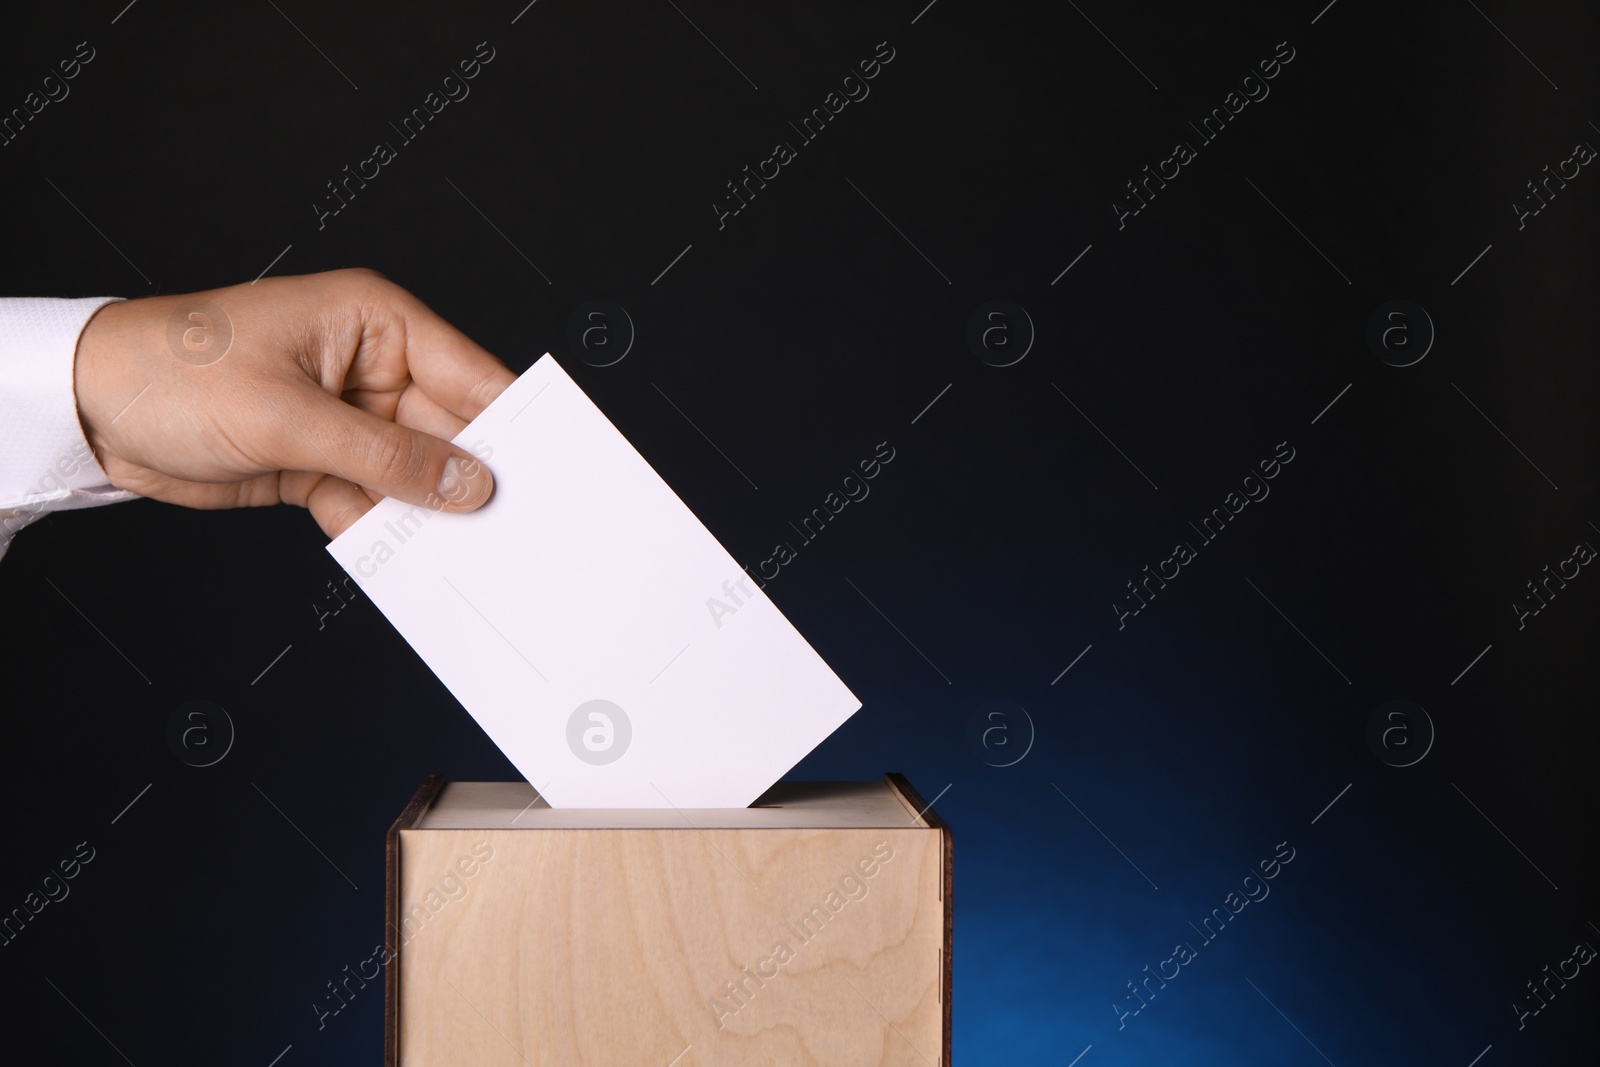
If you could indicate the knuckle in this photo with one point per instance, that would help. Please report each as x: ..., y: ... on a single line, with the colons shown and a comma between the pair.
x: 484, y: 390
x: 395, y: 455
x: 367, y: 274
x: 368, y: 286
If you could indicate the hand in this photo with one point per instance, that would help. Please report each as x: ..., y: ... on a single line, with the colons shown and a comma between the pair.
x: 332, y: 391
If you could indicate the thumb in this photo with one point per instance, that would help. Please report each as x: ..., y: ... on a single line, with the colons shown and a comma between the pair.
x: 390, y: 459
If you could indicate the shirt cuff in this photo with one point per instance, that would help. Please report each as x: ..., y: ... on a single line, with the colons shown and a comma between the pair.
x: 46, y: 463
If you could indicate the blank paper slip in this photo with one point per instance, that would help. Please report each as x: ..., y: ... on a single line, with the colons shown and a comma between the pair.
x: 581, y: 617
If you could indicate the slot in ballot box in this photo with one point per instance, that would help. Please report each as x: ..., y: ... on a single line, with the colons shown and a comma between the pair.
x: 811, y: 928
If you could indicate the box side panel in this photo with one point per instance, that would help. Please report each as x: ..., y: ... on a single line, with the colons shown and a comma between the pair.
x: 924, y: 813
x: 791, y: 947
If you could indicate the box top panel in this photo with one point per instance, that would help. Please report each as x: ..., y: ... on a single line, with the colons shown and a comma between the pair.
x: 787, y: 805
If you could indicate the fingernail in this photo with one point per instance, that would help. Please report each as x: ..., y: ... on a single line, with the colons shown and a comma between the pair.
x: 465, y: 483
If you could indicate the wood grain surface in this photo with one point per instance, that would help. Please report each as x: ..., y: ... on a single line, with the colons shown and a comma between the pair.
x: 685, y: 946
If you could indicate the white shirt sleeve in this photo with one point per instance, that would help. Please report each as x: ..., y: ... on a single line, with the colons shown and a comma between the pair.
x: 45, y: 461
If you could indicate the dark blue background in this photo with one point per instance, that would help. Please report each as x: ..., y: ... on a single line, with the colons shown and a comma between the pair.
x: 800, y: 336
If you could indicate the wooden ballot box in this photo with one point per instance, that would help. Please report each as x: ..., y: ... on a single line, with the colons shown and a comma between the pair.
x: 813, y: 927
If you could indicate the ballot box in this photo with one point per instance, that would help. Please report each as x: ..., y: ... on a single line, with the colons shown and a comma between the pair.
x: 813, y: 927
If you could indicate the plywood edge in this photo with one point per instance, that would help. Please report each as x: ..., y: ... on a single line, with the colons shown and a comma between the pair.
x: 912, y: 798
x: 921, y: 810
x: 409, y: 817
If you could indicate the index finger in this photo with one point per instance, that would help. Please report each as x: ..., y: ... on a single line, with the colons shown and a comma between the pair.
x: 452, y: 369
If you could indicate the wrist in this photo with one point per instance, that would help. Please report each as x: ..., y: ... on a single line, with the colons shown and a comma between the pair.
x: 93, y: 382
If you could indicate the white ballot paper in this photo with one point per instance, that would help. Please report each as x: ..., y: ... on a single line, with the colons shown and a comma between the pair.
x: 592, y: 626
